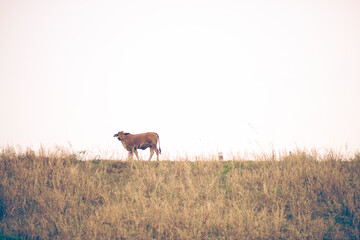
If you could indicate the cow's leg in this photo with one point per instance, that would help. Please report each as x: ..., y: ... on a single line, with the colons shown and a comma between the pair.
x: 157, y: 154
x: 131, y: 155
x: 151, y: 153
x: 137, y: 155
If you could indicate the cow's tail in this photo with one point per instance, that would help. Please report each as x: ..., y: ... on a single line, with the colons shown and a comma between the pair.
x: 159, y: 143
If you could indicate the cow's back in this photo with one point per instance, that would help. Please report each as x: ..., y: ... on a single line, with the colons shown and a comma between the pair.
x: 149, y: 138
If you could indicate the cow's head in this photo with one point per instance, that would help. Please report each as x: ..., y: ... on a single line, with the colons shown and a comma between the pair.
x: 120, y: 135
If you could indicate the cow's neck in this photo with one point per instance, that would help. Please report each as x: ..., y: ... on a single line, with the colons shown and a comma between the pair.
x: 123, y: 142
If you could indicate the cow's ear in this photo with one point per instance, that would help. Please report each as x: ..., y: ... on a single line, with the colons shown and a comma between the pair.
x: 126, y: 133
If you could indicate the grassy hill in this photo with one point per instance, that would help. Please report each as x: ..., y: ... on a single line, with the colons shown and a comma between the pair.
x: 54, y: 195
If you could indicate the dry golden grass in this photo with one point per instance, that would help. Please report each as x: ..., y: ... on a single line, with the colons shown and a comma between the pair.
x: 54, y: 195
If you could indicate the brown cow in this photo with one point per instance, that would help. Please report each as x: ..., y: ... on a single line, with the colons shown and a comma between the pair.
x: 132, y: 142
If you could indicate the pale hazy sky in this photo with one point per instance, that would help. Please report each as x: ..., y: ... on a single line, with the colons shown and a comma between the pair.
x: 208, y: 76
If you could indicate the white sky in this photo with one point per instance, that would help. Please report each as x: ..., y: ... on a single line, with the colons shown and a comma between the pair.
x: 208, y: 76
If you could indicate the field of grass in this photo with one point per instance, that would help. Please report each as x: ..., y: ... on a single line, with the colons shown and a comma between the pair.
x: 53, y: 195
